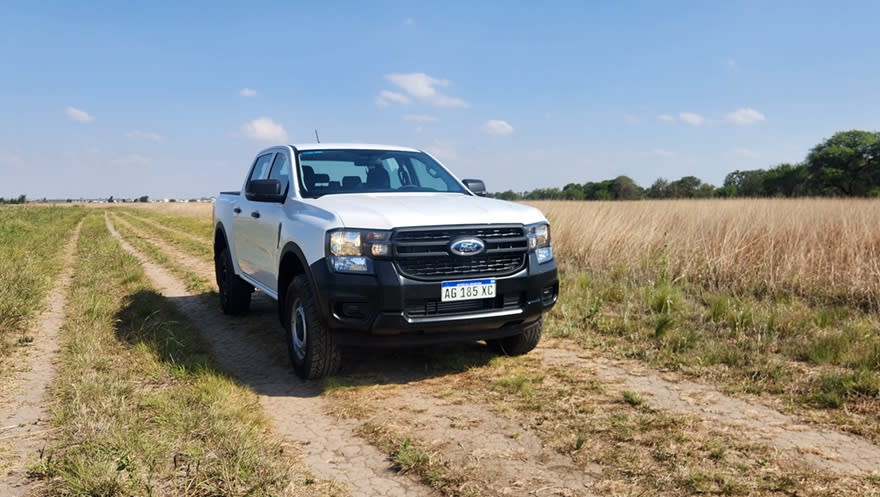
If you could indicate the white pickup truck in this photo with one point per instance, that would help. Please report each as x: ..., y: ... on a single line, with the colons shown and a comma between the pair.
x: 380, y: 245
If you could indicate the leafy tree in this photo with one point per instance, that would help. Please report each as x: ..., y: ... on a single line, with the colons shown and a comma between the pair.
x: 660, y: 189
x: 746, y: 183
x: 848, y: 163
x: 599, y: 190
x: 686, y: 187
x: 573, y: 191
x: 624, y: 188
x: 786, y: 180
x: 143, y: 198
x: 508, y: 195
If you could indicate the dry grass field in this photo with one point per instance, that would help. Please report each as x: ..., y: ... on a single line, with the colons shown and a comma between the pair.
x: 699, y: 347
x: 825, y: 250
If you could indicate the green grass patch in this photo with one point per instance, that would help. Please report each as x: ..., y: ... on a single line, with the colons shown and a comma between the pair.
x: 197, y: 226
x: 140, y: 408
x: 32, y: 240
x: 201, y: 248
x: 193, y: 281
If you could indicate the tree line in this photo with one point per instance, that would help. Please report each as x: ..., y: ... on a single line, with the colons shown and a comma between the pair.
x: 845, y: 165
x: 21, y: 199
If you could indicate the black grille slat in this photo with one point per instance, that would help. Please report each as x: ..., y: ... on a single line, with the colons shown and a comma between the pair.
x: 423, y: 253
x: 424, y: 308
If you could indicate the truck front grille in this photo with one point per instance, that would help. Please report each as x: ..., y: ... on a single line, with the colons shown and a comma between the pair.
x: 427, y: 308
x: 423, y: 253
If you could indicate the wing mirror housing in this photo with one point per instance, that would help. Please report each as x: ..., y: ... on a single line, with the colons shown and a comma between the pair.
x: 476, y: 186
x: 264, y: 190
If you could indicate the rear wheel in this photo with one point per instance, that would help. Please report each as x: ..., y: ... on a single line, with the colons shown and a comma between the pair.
x: 313, y: 352
x: 235, y: 293
x: 522, y: 343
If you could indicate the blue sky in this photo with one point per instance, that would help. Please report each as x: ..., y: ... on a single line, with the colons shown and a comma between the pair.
x: 175, y: 98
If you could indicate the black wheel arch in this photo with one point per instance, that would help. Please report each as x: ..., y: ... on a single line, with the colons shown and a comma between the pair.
x: 292, y: 263
x: 220, y: 239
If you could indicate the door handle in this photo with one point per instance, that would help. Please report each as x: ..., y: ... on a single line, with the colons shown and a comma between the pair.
x: 236, y: 210
x: 255, y: 214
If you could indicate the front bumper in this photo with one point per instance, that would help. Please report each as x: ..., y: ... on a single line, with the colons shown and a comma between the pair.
x: 389, y: 309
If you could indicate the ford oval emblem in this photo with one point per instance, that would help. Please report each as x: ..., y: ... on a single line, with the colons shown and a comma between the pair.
x: 467, y: 246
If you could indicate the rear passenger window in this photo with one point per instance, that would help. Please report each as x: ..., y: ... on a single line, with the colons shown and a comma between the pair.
x: 281, y: 171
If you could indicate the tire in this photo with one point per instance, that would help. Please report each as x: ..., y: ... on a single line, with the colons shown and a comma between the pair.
x: 235, y: 293
x: 521, y: 343
x: 313, y: 352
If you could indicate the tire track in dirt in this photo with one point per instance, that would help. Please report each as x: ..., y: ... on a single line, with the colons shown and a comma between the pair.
x: 160, y: 226
x: 332, y: 450
x: 821, y: 448
x: 23, y: 418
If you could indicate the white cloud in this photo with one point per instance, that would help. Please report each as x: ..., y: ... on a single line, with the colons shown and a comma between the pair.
x: 79, y: 115
x: 265, y: 130
x: 666, y: 118
x: 730, y: 64
x: 247, y: 92
x: 386, y: 97
x: 497, y: 127
x: 424, y: 87
x: 443, y: 150
x: 417, y: 84
x: 408, y: 21
x: 691, y: 118
x: 661, y: 152
x: 744, y: 116
x: 630, y: 119
x: 446, y: 101
x: 419, y: 118
x: 146, y: 135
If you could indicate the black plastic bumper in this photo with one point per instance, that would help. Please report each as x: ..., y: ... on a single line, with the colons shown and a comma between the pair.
x: 388, y: 309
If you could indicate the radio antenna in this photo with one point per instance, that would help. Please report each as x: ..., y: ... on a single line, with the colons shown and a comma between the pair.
x: 317, y: 138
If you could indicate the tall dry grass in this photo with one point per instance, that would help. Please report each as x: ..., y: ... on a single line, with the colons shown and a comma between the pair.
x: 825, y: 249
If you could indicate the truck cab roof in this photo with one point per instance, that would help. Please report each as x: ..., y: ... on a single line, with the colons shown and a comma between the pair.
x: 350, y: 146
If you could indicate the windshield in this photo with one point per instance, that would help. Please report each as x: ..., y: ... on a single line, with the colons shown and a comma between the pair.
x: 324, y: 172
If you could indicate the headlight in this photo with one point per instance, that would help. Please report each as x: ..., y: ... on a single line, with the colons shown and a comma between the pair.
x: 539, y: 241
x: 351, y: 251
x: 345, y: 243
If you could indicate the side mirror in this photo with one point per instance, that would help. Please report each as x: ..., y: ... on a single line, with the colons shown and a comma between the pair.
x: 264, y: 190
x: 475, y: 185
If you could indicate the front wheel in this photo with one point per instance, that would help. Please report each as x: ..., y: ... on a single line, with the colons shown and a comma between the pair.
x: 310, y: 344
x: 521, y: 343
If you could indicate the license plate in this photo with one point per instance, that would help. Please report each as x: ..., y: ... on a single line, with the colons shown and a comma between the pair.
x: 451, y: 291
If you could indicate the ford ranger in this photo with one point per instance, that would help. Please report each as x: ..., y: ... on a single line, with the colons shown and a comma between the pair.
x: 380, y: 245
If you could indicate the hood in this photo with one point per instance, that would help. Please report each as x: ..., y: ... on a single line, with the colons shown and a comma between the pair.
x: 400, y: 210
